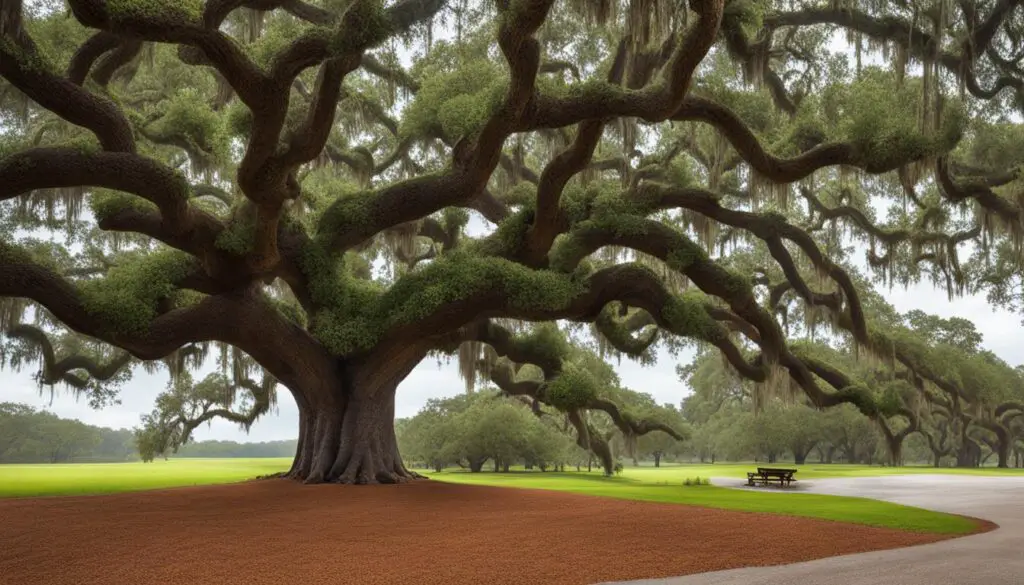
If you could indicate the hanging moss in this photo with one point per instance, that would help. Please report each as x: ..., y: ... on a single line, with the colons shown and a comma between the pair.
x: 573, y: 388
x: 126, y: 299
x: 745, y: 16
x: 880, y: 119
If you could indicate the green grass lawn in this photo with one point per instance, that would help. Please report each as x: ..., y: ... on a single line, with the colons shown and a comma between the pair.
x: 676, y: 473
x: 643, y: 483
x: 105, y: 478
x: 635, y: 487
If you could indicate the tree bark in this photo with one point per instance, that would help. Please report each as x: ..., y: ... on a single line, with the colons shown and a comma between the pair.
x: 799, y: 458
x: 347, y: 432
x: 657, y: 458
x: 895, y: 445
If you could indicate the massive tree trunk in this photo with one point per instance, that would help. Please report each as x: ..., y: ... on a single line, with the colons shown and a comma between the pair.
x: 1001, y: 446
x: 347, y: 430
x: 969, y: 454
x: 895, y: 445
x: 588, y: 437
x: 801, y: 451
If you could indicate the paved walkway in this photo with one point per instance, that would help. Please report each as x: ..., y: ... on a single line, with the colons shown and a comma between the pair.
x: 992, y: 558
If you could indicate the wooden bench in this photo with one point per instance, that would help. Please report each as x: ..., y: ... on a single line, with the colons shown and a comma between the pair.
x: 770, y: 475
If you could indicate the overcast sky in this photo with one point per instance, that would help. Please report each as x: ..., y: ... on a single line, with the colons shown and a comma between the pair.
x: 430, y: 380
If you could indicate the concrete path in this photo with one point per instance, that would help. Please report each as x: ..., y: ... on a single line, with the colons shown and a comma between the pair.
x: 992, y: 558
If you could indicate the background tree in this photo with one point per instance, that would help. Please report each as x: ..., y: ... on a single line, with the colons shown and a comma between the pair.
x: 289, y: 183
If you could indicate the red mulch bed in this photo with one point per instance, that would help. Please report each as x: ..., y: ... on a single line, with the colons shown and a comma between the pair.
x: 279, y: 532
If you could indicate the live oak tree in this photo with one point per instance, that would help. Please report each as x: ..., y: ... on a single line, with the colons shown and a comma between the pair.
x: 289, y: 183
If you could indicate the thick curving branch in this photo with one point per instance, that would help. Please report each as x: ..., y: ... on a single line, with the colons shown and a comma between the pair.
x: 245, y: 321
x: 546, y: 222
x: 917, y: 42
x: 54, y: 371
x: 654, y: 103
x: 47, y: 168
x: 772, y: 229
x: 23, y: 67
x: 787, y: 170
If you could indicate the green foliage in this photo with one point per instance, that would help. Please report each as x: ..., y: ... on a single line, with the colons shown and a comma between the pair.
x: 509, y: 237
x: 188, y: 117
x: 165, y: 10
x: 473, y: 428
x: 32, y: 61
x: 995, y: 146
x: 239, y: 235
x: 573, y: 388
x: 363, y: 26
x: 685, y: 315
x: 31, y: 436
x: 746, y: 15
x: 454, y: 218
x: 879, y: 117
x: 455, y: 103
x: 355, y: 316
x: 696, y: 481
x: 125, y: 300
x: 544, y: 339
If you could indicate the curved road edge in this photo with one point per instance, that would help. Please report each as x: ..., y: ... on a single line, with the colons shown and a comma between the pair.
x: 989, y: 558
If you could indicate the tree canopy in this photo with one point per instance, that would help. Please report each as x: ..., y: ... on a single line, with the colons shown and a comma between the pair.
x: 319, y: 194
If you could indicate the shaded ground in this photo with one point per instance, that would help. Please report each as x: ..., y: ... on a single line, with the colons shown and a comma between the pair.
x: 277, y: 532
x: 993, y: 558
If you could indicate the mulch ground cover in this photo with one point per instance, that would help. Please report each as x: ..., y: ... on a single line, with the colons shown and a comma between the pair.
x: 279, y: 532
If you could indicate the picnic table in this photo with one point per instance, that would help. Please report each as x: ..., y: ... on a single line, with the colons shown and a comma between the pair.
x: 769, y: 475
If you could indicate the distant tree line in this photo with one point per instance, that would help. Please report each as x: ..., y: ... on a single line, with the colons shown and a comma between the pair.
x: 235, y: 449
x: 29, y: 435
x: 490, y: 430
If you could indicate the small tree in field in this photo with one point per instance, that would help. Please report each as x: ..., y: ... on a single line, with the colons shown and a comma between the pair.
x: 289, y: 187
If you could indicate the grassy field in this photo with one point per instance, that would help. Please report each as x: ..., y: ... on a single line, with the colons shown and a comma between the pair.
x: 105, y: 478
x: 627, y: 486
x: 643, y: 483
